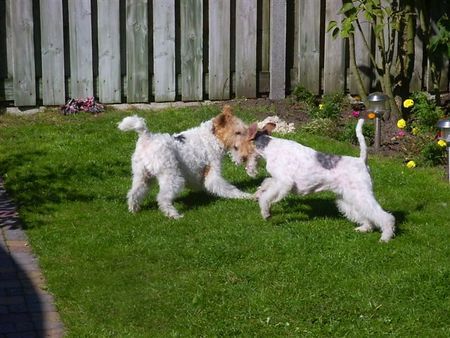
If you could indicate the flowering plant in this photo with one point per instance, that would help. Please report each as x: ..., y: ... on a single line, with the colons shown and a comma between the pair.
x: 401, y: 124
x: 408, y: 103
x: 411, y: 164
x: 442, y: 143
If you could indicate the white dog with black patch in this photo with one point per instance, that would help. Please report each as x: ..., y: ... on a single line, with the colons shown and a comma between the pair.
x: 294, y: 167
x: 192, y: 157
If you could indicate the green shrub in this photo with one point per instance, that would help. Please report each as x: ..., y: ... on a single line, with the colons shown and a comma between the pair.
x: 348, y: 133
x: 432, y: 154
x: 302, y: 94
x: 425, y: 113
x: 331, y: 107
x: 321, y: 126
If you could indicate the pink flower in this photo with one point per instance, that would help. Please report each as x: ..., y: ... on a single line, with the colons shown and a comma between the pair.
x: 355, y: 113
x: 401, y: 133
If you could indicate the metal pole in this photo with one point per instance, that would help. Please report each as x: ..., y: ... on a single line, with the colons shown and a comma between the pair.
x: 377, y: 133
x: 448, y: 164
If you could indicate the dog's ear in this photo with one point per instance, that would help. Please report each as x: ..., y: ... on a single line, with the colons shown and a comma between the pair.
x: 269, y: 127
x: 222, y: 119
x: 227, y: 110
x: 252, y: 130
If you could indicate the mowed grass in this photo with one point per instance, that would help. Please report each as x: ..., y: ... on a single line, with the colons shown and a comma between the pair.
x: 221, y: 270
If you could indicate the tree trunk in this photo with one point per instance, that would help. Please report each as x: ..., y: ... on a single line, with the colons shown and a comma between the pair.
x: 355, y: 71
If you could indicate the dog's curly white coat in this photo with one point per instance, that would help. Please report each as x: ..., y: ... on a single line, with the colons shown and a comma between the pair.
x: 294, y: 167
x: 192, y: 157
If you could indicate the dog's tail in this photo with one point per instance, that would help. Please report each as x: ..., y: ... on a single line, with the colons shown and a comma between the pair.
x: 135, y: 123
x: 361, y: 140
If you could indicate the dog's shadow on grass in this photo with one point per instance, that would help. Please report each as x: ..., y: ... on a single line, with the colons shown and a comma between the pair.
x: 196, y: 199
x: 295, y: 209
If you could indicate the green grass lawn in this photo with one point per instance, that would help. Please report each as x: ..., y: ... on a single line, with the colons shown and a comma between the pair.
x: 221, y: 270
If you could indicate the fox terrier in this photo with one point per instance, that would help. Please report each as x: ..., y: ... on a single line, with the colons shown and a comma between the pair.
x: 294, y: 167
x: 192, y: 157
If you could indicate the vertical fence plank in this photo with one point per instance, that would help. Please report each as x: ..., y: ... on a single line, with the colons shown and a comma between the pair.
x: 191, y: 12
x: 164, y: 50
x: 309, y: 45
x: 246, y: 14
x: 416, y: 82
x: 278, y: 49
x: 137, y: 51
x: 334, y: 63
x: 52, y: 50
x: 265, y: 36
x: 80, y: 33
x: 219, y: 50
x: 362, y: 58
x: 435, y: 13
x: 24, y: 76
x: 109, y: 74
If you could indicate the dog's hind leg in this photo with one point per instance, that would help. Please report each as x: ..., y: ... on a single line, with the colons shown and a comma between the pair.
x: 169, y: 187
x: 139, y: 188
x: 348, y: 210
x: 272, y: 192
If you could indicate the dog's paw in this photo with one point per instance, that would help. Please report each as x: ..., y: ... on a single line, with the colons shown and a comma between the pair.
x: 265, y: 215
x: 175, y: 216
x: 364, y: 228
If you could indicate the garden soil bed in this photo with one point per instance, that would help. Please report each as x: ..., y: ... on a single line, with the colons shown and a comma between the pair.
x: 296, y: 112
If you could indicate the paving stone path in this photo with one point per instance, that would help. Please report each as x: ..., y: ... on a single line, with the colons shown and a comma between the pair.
x: 26, y: 308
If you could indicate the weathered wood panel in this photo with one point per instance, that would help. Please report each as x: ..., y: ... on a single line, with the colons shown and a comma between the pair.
x: 334, y: 53
x: 109, y: 75
x: 278, y: 49
x: 52, y: 50
x: 246, y: 15
x: 219, y: 50
x: 417, y: 81
x: 265, y: 36
x: 23, y: 52
x: 191, y: 12
x: 164, y: 50
x: 80, y: 33
x: 137, y: 51
x: 309, y: 45
x: 362, y: 57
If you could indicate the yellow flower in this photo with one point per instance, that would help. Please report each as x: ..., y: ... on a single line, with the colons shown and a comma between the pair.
x: 415, y: 131
x: 321, y: 106
x: 408, y: 103
x: 401, y: 123
x: 411, y: 164
x: 442, y: 143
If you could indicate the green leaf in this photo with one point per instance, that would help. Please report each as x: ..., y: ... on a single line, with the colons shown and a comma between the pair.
x: 331, y: 25
x: 347, y: 7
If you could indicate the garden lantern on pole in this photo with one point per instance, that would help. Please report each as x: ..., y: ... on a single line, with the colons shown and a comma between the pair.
x: 444, y: 126
x: 377, y: 106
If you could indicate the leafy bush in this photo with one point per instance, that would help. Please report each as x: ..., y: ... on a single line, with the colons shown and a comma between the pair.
x: 425, y: 113
x: 348, y: 133
x: 302, y: 94
x: 432, y: 154
x: 321, y: 126
x: 331, y: 107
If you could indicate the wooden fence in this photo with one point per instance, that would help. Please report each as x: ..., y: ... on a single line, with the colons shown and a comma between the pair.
x: 167, y: 50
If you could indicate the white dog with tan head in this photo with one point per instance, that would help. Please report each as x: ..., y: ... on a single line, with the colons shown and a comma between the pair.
x: 192, y: 157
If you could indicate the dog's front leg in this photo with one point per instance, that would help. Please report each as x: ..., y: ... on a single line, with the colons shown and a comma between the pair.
x: 271, y: 191
x: 216, y: 184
